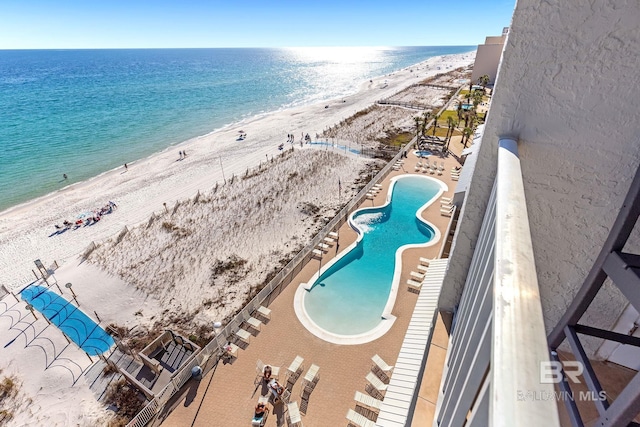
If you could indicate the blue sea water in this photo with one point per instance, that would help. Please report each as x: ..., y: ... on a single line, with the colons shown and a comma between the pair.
x: 83, y: 112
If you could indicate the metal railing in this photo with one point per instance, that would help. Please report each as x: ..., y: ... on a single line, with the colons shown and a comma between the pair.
x: 492, y: 371
x: 264, y: 297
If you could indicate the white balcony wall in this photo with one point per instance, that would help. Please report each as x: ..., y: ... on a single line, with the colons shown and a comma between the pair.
x: 567, y: 90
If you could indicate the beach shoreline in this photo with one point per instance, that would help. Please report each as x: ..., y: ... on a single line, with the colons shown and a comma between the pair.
x: 156, y: 178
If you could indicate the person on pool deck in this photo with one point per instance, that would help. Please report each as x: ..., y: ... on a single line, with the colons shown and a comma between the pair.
x: 266, y: 373
x: 277, y: 389
x: 260, y: 410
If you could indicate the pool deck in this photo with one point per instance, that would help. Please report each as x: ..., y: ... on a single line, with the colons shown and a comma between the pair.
x: 227, y: 395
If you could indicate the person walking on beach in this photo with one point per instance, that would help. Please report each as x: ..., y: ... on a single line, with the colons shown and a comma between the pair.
x: 180, y: 154
x: 125, y: 167
x: 184, y: 153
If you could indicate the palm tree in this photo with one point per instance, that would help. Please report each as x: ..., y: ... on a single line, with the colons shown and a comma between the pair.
x: 477, y: 98
x: 450, y: 122
x: 455, y: 126
x: 435, y: 123
x: 417, y: 119
x: 466, y: 133
x: 425, y: 119
x: 484, y: 81
x: 459, y: 109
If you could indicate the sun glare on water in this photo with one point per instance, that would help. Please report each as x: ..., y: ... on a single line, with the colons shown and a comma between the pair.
x: 333, y: 54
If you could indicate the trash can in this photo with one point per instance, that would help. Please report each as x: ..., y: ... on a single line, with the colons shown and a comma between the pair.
x: 196, y: 372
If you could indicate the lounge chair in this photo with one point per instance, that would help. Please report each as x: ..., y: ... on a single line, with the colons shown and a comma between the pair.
x: 381, y: 364
x: 310, y: 379
x: 260, y: 421
x: 333, y: 234
x: 446, y: 212
x: 317, y: 253
x: 414, y: 285
x: 425, y: 261
x: 446, y: 209
x: 359, y: 420
x: 312, y: 373
x: 264, y: 312
x: 376, y: 382
x: 367, y: 401
x: 418, y: 276
x: 422, y: 268
x: 293, y: 415
x: 254, y: 323
x: 455, y: 177
x: 295, y: 369
x: 243, y: 335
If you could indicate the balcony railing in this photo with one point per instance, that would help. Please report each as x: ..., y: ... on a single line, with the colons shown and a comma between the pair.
x: 498, y: 346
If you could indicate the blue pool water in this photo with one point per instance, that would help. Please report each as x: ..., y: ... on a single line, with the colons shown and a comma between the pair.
x: 423, y: 153
x: 350, y: 296
x: 79, y: 327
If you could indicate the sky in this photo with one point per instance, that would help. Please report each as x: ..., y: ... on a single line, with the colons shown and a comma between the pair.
x: 82, y: 24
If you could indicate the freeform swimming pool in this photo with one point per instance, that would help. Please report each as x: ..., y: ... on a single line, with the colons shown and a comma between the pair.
x: 423, y: 153
x: 355, y: 292
x: 79, y: 327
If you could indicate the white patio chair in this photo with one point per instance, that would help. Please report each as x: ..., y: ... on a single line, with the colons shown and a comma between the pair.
x: 293, y: 415
x: 416, y: 275
x: 243, y: 335
x: 264, y: 312
x: 376, y: 382
x: 367, y: 401
x: 359, y: 420
x: 414, y: 285
x: 381, y: 364
x: 294, y: 370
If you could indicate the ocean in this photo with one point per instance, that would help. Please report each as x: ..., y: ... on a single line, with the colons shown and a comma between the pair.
x: 83, y: 112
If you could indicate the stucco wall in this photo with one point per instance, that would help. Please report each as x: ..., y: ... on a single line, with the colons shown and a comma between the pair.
x: 567, y: 90
x: 487, y: 59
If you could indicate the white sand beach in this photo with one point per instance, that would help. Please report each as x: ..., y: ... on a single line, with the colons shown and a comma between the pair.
x: 184, y: 225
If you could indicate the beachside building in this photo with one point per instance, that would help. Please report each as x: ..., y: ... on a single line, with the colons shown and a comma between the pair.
x: 488, y: 57
x: 543, y: 283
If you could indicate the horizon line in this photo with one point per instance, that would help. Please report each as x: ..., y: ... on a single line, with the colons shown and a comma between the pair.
x: 221, y: 47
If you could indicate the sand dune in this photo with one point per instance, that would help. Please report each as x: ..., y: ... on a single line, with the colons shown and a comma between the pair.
x: 205, y: 254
